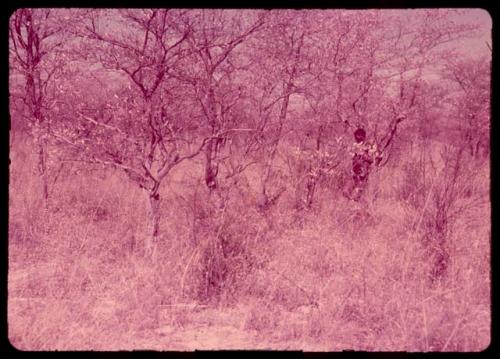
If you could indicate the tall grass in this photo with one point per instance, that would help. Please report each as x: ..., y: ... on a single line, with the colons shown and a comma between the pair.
x: 338, y: 276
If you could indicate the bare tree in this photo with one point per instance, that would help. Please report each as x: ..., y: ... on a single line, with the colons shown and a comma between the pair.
x: 283, y: 71
x: 471, y: 79
x: 35, y: 36
x: 214, y: 42
x: 391, y: 64
x: 135, y: 128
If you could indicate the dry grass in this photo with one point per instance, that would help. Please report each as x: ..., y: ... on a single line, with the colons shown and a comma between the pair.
x: 335, y: 277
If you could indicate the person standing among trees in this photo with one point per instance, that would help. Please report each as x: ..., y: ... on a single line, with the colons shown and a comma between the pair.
x: 364, y: 155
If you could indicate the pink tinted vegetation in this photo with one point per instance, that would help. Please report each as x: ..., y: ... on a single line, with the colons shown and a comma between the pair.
x: 220, y: 179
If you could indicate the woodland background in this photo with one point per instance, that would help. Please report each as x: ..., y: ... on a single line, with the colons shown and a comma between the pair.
x: 179, y: 180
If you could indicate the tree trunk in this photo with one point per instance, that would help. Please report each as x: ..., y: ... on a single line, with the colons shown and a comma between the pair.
x: 210, y: 168
x: 265, y: 200
x: 151, y: 242
x: 312, y: 180
x: 211, y: 149
x: 41, y: 146
x: 154, y: 200
x: 42, y: 170
x: 39, y: 133
x: 310, y: 188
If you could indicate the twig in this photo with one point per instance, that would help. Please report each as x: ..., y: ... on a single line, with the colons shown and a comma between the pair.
x: 452, y: 334
x: 307, y: 294
x: 169, y: 165
x: 109, y: 127
x: 195, y: 252
x: 342, y: 304
x: 437, y: 295
x: 65, y: 139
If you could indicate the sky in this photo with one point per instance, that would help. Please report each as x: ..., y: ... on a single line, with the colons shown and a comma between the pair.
x: 483, y: 19
x: 475, y: 46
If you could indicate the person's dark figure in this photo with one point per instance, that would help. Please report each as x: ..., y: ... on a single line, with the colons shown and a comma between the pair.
x: 360, y: 135
x: 361, y: 162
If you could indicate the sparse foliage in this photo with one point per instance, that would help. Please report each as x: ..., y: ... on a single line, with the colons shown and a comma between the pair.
x: 319, y: 178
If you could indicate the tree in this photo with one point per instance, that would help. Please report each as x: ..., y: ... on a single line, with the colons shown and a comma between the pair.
x: 470, y: 81
x: 282, y: 71
x: 392, y: 64
x: 136, y: 124
x: 214, y: 41
x: 35, y: 36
